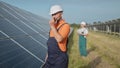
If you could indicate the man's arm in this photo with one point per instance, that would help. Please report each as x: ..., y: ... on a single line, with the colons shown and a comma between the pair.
x: 57, y: 36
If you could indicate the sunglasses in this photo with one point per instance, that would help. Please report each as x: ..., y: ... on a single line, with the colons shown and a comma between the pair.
x: 57, y: 13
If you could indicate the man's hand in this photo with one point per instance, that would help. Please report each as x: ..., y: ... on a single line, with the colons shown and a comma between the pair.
x: 57, y: 36
x: 52, y: 23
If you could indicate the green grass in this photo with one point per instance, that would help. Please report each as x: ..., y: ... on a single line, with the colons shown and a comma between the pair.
x: 74, y: 56
x: 104, y: 51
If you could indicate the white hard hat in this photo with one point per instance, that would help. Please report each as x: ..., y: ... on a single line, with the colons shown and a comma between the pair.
x: 54, y: 9
x: 83, y: 23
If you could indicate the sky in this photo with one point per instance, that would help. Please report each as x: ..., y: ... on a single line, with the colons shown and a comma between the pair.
x: 75, y: 11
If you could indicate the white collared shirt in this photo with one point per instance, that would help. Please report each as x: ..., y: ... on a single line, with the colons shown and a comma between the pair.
x: 82, y: 31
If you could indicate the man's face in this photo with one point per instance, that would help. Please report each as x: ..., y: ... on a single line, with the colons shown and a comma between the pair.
x: 57, y: 16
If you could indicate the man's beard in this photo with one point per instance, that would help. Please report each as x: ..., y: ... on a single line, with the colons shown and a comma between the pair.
x: 57, y: 19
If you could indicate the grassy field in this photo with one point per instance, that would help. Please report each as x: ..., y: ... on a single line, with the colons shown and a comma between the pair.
x: 103, y: 51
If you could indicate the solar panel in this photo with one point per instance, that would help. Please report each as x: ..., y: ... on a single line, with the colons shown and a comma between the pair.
x: 23, y: 37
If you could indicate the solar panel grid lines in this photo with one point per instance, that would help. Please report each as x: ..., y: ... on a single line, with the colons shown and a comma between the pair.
x: 23, y: 31
x: 23, y: 22
x: 6, y: 59
x: 18, y: 36
x: 23, y: 17
x: 31, y: 15
x: 40, y: 34
x: 23, y: 37
x: 10, y: 30
x: 22, y: 47
x: 34, y: 64
x: 15, y: 12
x: 43, y: 45
x: 28, y: 17
x: 13, y: 59
x: 7, y: 52
x: 17, y: 65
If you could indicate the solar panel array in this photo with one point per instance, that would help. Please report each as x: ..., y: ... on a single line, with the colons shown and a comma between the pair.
x: 23, y: 37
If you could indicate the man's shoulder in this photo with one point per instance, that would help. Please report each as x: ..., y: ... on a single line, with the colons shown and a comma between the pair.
x: 66, y: 25
x: 64, y: 22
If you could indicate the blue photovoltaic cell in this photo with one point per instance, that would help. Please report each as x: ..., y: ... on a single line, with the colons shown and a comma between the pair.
x: 32, y: 46
x: 12, y: 55
x: 27, y: 18
x: 24, y: 24
x: 8, y: 28
x: 23, y: 38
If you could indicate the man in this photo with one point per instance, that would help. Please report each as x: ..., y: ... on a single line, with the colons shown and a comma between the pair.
x: 57, y: 42
x: 82, y: 32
